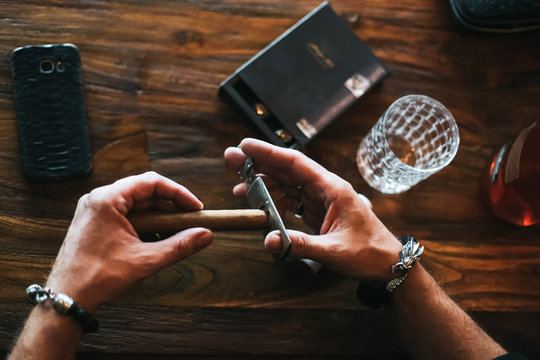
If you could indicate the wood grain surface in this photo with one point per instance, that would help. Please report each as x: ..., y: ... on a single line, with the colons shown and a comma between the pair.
x: 151, y: 70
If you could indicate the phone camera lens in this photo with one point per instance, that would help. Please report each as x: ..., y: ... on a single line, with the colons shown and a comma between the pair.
x: 60, y: 66
x: 46, y: 66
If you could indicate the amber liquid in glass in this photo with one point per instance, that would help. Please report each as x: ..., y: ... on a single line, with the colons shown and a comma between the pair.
x: 513, y: 179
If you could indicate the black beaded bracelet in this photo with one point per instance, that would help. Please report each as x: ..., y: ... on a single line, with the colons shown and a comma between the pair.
x: 375, y: 296
x: 63, y: 304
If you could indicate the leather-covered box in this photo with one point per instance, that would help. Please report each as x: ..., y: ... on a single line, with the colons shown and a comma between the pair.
x: 299, y: 83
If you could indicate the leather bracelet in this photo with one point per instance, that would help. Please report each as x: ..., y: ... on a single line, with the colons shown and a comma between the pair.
x: 375, y: 296
x: 62, y: 304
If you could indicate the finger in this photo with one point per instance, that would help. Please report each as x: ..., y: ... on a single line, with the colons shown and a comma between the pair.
x: 145, y: 186
x: 240, y: 190
x: 302, y: 244
x: 271, y: 185
x: 234, y: 156
x: 281, y: 168
x: 287, y: 165
x: 175, y: 248
x: 155, y: 204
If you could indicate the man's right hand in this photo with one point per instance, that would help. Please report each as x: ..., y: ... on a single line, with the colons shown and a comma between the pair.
x: 348, y: 238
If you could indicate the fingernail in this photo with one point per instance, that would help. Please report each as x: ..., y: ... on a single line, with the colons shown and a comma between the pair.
x: 207, y: 236
x: 273, y: 243
x: 204, y: 238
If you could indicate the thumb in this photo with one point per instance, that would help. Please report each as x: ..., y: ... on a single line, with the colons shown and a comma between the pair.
x: 302, y: 244
x: 181, y: 245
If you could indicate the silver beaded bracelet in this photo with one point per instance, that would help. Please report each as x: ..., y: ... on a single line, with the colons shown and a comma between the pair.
x: 62, y: 304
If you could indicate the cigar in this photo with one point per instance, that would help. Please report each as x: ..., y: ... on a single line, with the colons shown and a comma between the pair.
x: 215, y: 220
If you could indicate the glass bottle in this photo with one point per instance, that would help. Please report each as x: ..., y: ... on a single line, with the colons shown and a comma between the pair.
x: 513, y: 178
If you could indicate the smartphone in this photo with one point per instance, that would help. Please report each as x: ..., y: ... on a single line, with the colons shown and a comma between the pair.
x: 51, y: 118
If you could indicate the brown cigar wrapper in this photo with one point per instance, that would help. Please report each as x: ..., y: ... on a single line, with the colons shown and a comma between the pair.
x: 242, y: 219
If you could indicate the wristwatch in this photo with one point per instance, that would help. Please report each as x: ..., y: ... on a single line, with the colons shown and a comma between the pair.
x: 375, y: 296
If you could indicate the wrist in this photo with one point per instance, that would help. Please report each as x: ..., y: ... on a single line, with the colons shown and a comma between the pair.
x: 45, y: 329
x: 374, y: 294
x: 85, y: 297
x: 52, y: 323
x: 387, y: 250
x: 420, y: 285
x: 62, y: 304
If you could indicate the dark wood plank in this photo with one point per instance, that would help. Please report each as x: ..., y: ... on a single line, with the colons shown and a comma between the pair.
x: 151, y: 72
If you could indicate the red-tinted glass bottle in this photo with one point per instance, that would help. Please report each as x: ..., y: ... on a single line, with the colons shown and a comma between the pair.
x: 513, y: 179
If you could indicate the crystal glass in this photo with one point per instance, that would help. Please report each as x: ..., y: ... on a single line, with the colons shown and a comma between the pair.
x: 414, y: 138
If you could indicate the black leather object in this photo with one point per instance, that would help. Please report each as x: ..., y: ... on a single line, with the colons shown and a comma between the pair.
x: 51, y: 120
x: 497, y: 15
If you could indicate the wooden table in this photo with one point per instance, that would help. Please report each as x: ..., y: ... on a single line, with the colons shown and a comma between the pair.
x: 151, y: 71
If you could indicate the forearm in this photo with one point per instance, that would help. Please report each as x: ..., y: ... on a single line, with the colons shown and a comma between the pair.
x: 47, y: 335
x: 433, y: 326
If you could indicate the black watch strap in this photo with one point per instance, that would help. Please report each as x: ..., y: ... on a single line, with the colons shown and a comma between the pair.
x: 371, y: 296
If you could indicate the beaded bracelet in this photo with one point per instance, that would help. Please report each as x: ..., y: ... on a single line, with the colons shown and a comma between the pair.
x: 63, y: 304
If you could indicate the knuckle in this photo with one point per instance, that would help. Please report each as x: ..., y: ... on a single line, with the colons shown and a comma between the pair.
x: 335, y: 248
x: 185, y: 248
x: 302, y: 246
x: 151, y: 175
x: 342, y: 185
x: 146, y: 265
x: 334, y: 180
x: 296, y: 153
x: 96, y: 199
x: 83, y: 200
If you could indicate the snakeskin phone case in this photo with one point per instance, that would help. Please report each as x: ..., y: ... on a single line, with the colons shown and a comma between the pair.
x: 51, y: 119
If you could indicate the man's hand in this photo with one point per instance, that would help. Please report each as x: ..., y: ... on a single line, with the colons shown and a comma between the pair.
x: 102, y: 255
x: 349, y: 237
